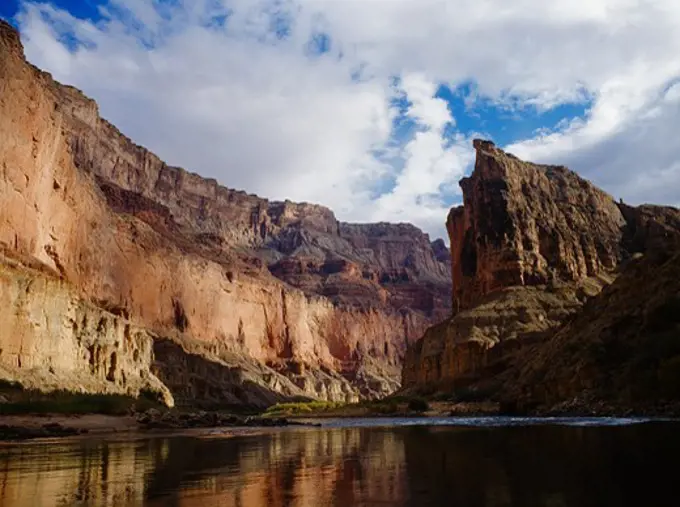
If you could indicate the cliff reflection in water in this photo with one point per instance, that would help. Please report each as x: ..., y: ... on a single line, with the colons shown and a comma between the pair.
x: 401, y: 466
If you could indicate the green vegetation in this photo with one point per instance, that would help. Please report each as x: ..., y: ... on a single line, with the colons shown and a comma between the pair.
x: 475, y: 394
x: 443, y: 396
x: 302, y: 408
x: 396, y: 405
x: 384, y: 407
x: 64, y: 402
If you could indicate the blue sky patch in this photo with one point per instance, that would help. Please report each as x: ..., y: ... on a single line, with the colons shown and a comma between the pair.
x: 474, y: 116
x: 480, y: 116
x: 319, y: 44
x: 84, y: 9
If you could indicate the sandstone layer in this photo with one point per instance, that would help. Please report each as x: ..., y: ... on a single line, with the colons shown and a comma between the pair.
x: 561, y: 297
x: 524, y: 224
x: 247, y: 300
x: 54, y: 340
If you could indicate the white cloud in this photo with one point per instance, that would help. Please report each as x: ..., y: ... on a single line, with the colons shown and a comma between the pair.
x: 430, y: 160
x: 673, y: 93
x: 627, y: 142
x: 424, y: 108
x: 235, y: 102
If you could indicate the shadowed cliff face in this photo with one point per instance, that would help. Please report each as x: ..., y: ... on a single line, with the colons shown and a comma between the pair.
x: 300, y: 304
x: 623, y: 348
x: 528, y: 246
x: 524, y: 224
x: 559, y: 293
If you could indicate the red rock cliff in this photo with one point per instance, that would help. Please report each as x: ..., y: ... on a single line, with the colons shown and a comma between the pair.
x: 191, y: 261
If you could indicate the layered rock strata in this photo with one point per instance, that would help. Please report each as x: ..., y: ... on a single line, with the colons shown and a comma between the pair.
x: 563, y: 300
x: 54, y: 340
x: 529, y: 245
x: 297, y: 302
x: 524, y: 224
x: 623, y: 349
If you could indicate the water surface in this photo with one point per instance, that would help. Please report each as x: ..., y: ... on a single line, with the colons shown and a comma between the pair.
x: 488, y: 462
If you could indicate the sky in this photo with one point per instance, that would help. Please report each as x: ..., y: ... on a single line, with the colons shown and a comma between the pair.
x: 370, y: 106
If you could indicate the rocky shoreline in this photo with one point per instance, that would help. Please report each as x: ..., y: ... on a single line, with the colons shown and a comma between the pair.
x: 48, y: 430
x: 30, y: 427
x: 27, y: 427
x: 155, y: 419
x: 580, y: 408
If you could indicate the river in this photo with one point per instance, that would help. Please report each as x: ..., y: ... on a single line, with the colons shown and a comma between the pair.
x: 489, y: 462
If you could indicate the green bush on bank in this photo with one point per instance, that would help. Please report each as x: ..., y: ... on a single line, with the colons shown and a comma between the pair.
x: 385, y: 408
x: 304, y: 407
x: 392, y: 405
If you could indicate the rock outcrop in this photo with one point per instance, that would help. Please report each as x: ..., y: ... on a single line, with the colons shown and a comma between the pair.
x: 560, y: 295
x: 524, y: 224
x: 53, y: 340
x: 623, y: 348
x: 529, y: 245
x: 265, y: 296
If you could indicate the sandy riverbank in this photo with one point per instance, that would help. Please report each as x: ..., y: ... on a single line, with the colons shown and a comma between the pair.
x: 30, y: 426
x: 92, y: 423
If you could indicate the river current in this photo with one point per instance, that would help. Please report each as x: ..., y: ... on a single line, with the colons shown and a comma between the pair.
x: 489, y: 462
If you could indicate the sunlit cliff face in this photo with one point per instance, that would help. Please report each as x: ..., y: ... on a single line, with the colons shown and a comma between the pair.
x: 280, y: 293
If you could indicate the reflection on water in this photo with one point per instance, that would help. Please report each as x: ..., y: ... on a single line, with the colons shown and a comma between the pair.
x: 525, y: 466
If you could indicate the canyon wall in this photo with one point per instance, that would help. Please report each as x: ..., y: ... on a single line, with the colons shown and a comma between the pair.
x: 563, y: 300
x: 529, y: 245
x: 54, y: 340
x: 621, y: 352
x: 257, y: 295
x: 524, y: 224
